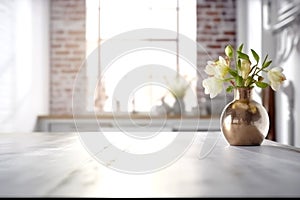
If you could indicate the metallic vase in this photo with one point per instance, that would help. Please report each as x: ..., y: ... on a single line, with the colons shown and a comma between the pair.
x: 244, y: 121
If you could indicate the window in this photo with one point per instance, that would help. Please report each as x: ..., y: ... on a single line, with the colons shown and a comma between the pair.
x: 105, y: 19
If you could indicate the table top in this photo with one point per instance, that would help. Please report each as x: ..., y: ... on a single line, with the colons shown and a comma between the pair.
x: 61, y: 165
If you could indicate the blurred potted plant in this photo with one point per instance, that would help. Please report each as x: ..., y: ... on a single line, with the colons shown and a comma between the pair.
x: 178, y: 88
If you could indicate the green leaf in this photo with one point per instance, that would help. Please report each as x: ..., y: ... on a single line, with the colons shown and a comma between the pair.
x: 249, y: 81
x: 229, y: 88
x: 252, y: 68
x: 262, y: 84
x: 239, y: 64
x: 233, y: 73
x: 239, y: 81
x: 243, y: 55
x: 241, y: 47
x: 267, y: 64
x: 265, y: 60
x: 255, y: 55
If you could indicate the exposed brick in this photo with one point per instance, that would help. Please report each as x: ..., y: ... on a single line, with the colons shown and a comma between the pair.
x: 220, y: 6
x: 229, y: 33
x: 76, y: 52
x: 229, y: 20
x: 55, y: 46
x: 202, y: 39
x: 222, y: 40
x: 216, y: 26
x: 214, y: 46
x: 212, y: 13
x: 207, y: 26
x: 70, y: 46
x: 201, y: 6
x: 61, y: 52
x: 76, y: 32
x: 216, y: 19
x: 59, y: 39
x: 67, y: 28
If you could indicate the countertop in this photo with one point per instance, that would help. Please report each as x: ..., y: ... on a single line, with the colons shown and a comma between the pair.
x: 42, y: 164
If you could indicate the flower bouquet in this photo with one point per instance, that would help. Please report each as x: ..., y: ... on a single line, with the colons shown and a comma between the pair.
x: 237, y: 69
x: 243, y: 121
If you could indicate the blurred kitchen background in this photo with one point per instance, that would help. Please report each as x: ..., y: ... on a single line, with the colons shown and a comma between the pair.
x: 44, y: 43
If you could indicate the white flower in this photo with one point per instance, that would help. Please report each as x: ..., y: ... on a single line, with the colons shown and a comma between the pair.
x: 222, y: 68
x: 276, y: 77
x: 245, y: 69
x: 178, y: 87
x: 210, y: 68
x: 212, y: 86
x: 218, y: 69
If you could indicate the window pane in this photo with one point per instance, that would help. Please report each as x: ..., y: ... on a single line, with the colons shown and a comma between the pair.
x: 92, y: 21
x: 187, y: 18
x: 123, y: 70
x: 120, y: 72
x: 121, y: 16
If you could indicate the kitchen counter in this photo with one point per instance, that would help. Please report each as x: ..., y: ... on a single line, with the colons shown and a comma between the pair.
x: 59, y: 165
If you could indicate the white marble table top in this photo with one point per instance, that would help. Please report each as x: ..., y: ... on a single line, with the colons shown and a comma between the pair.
x: 58, y: 165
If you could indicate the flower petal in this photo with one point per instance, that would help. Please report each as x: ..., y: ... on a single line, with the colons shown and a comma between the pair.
x: 222, y: 68
x: 276, y: 77
x: 245, y: 69
x: 210, y: 68
x: 212, y: 86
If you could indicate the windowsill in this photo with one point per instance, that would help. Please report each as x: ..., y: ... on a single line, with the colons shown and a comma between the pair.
x: 136, y: 121
x: 109, y: 115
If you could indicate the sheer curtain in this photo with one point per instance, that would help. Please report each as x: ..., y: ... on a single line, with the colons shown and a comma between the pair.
x: 24, y: 63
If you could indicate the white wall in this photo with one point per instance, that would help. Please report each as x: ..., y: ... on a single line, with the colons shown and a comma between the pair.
x: 288, y: 112
x: 249, y: 25
x: 249, y: 30
x: 255, y: 30
x: 25, y: 77
x: 284, y: 48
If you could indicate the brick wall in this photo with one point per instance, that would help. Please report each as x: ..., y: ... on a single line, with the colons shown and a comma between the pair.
x: 216, y: 27
x: 67, y: 43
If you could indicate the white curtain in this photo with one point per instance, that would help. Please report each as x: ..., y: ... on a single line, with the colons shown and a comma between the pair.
x: 24, y: 64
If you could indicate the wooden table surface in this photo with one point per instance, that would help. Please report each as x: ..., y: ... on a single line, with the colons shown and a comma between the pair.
x: 57, y: 164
